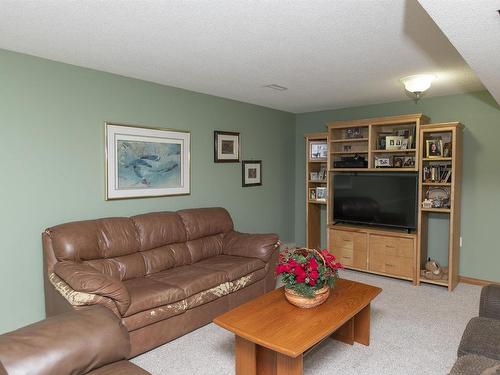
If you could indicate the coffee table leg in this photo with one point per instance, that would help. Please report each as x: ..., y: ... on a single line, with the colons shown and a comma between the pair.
x: 289, y: 366
x: 246, y: 359
x: 345, y: 333
x: 362, y: 326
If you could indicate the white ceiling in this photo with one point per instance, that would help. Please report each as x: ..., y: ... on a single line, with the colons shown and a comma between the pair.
x: 473, y: 27
x: 330, y: 54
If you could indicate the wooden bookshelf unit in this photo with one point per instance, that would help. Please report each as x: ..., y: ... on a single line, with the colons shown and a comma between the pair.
x: 440, y: 178
x: 316, y: 177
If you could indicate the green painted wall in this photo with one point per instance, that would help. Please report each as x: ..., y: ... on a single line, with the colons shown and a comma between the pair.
x: 480, y: 254
x: 52, y: 133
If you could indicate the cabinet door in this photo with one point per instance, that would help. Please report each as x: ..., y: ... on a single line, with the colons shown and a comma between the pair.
x: 350, y: 248
x: 392, y: 255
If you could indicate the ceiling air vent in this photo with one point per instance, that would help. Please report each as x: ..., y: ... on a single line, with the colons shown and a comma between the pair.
x: 274, y: 86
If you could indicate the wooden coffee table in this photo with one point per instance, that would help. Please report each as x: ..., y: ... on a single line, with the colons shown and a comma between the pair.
x: 272, y: 335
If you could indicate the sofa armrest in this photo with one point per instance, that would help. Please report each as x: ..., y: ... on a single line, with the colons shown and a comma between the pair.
x: 84, y: 278
x: 260, y: 246
x: 71, y: 343
x: 489, y: 306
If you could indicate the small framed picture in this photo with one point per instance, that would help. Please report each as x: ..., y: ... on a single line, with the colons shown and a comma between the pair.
x: 318, y: 150
x: 382, y: 162
x: 226, y: 147
x: 447, y: 150
x: 398, y: 161
x: 393, y: 142
x: 312, y: 194
x: 381, y: 140
x: 409, y: 162
x: 321, y: 193
x: 347, y: 148
x: 434, y: 148
x: 314, y: 176
x: 353, y: 133
x: 404, y: 144
x: 251, y: 173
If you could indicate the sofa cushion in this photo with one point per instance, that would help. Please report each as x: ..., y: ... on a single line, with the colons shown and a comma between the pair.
x: 158, y: 229
x: 475, y: 365
x: 147, y: 293
x: 233, y: 266
x: 481, y: 336
x: 94, y: 239
x: 203, y: 222
x: 121, y: 367
x: 191, y: 279
x: 205, y: 247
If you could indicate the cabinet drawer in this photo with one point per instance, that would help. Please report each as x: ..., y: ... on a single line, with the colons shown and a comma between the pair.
x: 399, y: 266
x: 392, y: 246
x: 344, y: 255
x: 342, y: 239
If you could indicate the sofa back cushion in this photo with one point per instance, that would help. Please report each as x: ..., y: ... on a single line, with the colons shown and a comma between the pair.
x: 110, y: 245
x: 205, y: 230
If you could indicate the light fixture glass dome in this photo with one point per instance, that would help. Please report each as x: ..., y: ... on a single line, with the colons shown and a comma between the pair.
x: 418, y: 83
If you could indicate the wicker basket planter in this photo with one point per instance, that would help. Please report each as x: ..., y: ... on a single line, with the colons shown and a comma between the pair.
x: 320, y: 296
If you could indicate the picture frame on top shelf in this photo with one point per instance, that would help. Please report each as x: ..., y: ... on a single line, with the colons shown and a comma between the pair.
x: 447, y: 150
x: 318, y: 150
x: 434, y: 148
x: 382, y: 141
x: 351, y: 133
x: 346, y: 148
x: 226, y: 147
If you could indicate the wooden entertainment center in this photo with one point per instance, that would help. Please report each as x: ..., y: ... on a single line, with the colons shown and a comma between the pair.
x: 406, y: 143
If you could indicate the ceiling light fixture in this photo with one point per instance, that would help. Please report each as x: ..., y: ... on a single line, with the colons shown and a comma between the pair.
x: 274, y: 86
x: 417, y: 84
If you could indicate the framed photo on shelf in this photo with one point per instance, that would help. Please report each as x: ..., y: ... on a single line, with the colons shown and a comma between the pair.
x: 434, y: 148
x: 321, y: 193
x: 398, y: 161
x: 393, y: 142
x: 314, y: 176
x: 409, y: 162
x: 226, y: 147
x: 447, y: 150
x: 353, y: 133
x: 382, y: 162
x: 382, y: 141
x: 312, y: 194
x: 347, y: 148
x: 251, y: 171
x: 318, y: 150
x: 146, y: 162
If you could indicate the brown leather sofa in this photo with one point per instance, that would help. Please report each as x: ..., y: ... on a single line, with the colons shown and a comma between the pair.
x: 90, y: 341
x: 164, y: 274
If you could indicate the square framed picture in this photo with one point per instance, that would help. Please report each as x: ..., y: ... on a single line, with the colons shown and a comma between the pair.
x: 226, y: 147
x: 251, y: 173
x: 321, y: 193
x: 434, y: 148
x: 146, y: 162
x: 409, y: 162
x: 318, y: 150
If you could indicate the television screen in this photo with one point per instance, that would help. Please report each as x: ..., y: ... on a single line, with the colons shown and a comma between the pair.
x: 387, y: 199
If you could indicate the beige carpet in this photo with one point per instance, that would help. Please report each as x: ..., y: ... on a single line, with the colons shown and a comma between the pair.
x: 414, y: 331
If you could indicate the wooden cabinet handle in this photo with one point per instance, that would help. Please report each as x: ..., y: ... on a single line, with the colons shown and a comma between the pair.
x: 347, y: 240
x: 390, y: 265
x: 346, y: 257
x: 390, y: 247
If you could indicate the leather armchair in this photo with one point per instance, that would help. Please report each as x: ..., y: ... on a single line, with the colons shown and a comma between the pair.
x: 88, y: 341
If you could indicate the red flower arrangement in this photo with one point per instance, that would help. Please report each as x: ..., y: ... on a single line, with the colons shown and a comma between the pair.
x: 306, y: 270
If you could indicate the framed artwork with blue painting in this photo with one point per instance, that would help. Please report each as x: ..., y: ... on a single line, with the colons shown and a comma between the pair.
x: 146, y: 162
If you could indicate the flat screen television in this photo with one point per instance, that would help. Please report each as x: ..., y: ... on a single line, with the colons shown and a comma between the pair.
x: 385, y: 199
